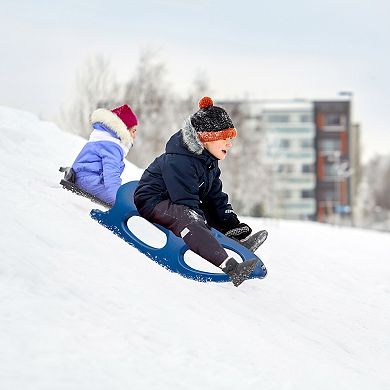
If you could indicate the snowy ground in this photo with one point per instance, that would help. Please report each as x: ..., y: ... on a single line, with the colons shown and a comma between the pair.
x: 81, y: 309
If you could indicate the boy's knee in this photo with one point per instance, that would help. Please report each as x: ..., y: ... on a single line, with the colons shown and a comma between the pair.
x: 194, y: 217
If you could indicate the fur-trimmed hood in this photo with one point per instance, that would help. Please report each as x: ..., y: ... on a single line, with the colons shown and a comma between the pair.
x: 186, y: 142
x: 112, y: 121
x: 190, y: 138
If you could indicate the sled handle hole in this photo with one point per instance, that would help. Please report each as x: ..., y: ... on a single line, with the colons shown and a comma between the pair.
x: 200, y: 264
x: 147, y: 232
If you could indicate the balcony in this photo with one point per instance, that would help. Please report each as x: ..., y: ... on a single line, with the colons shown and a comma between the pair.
x: 333, y: 128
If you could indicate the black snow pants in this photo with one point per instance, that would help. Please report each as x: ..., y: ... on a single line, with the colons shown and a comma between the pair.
x: 191, y: 227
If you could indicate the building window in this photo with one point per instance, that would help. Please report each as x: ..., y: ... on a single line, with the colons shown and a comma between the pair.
x: 307, y: 168
x: 334, y: 119
x: 306, y: 118
x: 278, y: 118
x: 326, y: 196
x: 330, y: 170
x: 307, y: 194
x: 329, y: 195
x: 285, y: 168
x: 329, y: 144
x: 307, y: 143
x: 284, y: 143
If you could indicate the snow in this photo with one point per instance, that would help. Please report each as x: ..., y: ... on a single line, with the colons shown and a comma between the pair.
x: 81, y: 309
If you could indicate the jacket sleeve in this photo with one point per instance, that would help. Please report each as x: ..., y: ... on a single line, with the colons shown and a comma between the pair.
x: 218, y: 201
x: 112, y: 168
x: 181, y: 180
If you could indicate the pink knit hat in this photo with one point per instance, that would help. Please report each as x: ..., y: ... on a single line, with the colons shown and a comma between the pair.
x: 126, y: 115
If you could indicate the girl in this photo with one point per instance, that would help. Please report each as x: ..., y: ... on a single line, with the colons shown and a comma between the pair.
x: 99, y: 165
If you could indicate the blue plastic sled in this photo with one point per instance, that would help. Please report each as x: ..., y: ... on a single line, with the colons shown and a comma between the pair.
x: 171, y: 256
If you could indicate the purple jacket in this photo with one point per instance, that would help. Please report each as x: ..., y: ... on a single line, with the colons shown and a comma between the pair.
x: 99, y: 165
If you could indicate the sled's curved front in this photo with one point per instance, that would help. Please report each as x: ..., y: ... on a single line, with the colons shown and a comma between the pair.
x: 171, y: 256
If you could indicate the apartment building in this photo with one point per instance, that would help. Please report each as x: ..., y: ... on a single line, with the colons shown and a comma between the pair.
x: 313, y: 154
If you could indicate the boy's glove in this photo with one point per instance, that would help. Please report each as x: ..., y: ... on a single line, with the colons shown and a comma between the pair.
x: 240, y: 232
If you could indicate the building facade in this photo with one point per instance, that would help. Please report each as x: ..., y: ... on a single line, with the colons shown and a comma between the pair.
x: 337, y: 161
x: 289, y: 149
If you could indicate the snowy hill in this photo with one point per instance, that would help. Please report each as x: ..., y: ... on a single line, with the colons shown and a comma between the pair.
x: 81, y: 309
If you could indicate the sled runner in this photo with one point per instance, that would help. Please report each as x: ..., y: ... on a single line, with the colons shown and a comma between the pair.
x: 171, y: 256
x: 68, y: 183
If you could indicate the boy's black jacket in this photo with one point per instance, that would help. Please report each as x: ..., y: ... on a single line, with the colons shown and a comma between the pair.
x: 186, y: 174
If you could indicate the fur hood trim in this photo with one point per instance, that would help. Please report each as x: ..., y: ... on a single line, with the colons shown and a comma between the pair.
x: 111, y: 120
x: 190, y: 137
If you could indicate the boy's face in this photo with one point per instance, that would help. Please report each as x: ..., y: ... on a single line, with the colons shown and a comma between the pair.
x: 220, y: 148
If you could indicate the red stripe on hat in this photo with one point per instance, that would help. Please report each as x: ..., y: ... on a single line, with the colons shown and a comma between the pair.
x: 208, y: 136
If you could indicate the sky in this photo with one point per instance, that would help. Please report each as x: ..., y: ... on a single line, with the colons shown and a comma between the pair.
x: 246, y: 49
x: 82, y: 309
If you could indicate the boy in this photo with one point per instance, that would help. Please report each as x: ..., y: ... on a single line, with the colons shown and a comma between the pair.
x: 99, y: 165
x: 181, y: 189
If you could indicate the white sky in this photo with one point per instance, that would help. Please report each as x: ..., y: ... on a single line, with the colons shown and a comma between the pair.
x: 254, y: 49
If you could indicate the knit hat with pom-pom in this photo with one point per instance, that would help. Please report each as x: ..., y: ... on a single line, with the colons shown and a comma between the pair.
x: 212, y: 123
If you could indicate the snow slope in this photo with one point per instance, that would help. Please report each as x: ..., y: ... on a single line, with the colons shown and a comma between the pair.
x: 81, y: 309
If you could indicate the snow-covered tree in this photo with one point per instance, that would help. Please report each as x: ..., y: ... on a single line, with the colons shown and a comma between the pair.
x: 373, y: 200
x: 245, y: 176
x: 377, y: 173
x: 153, y: 100
x: 95, y: 87
x: 199, y: 88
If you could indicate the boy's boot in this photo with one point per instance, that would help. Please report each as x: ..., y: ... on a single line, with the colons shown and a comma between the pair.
x: 238, y: 272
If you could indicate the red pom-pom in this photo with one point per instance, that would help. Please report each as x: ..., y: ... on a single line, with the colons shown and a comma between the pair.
x: 205, y: 102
